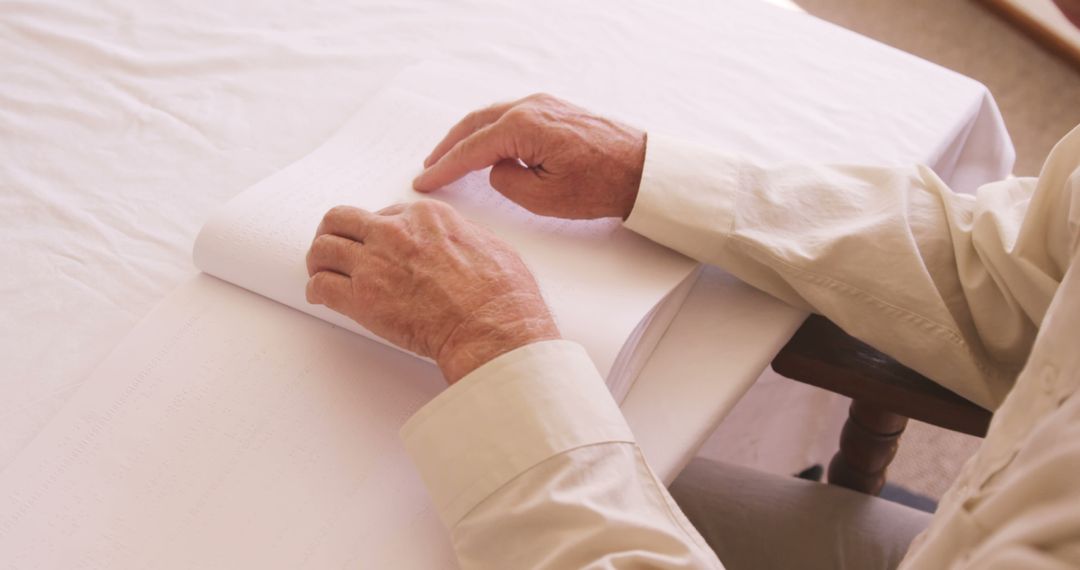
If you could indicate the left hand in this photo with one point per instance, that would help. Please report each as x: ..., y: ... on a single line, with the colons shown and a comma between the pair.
x: 551, y: 157
x: 428, y: 280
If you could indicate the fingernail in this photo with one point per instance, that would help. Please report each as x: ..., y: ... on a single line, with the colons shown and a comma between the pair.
x: 428, y: 161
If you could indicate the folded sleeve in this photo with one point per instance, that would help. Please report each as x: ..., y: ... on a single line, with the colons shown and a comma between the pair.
x: 530, y: 464
x: 952, y: 285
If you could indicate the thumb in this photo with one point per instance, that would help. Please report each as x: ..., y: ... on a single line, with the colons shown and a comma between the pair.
x: 517, y: 182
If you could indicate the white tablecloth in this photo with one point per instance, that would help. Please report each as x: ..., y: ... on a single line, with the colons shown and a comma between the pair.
x: 122, y: 124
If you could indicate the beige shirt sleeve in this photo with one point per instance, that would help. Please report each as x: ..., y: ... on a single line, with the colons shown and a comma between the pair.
x: 530, y: 464
x: 952, y: 285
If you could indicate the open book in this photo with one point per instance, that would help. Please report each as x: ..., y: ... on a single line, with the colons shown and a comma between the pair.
x: 232, y: 430
x: 609, y: 289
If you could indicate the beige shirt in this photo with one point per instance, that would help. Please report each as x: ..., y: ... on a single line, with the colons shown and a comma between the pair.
x: 531, y: 465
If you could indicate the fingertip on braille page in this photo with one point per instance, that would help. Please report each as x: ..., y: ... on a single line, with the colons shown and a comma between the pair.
x: 419, y: 182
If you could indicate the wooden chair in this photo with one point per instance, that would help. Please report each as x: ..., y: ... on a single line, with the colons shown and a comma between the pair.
x: 884, y: 395
x: 1042, y: 22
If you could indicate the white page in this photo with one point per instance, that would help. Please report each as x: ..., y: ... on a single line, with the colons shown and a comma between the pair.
x: 229, y: 431
x: 600, y: 279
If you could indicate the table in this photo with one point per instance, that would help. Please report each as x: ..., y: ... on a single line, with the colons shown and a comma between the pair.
x: 124, y: 124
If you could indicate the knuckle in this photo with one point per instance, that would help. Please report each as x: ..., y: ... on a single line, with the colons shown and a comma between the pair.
x: 519, y: 116
x: 421, y: 205
x: 541, y: 97
x: 392, y: 231
x: 444, y: 210
x: 318, y: 285
x: 428, y: 205
x: 322, y: 243
x: 392, y: 209
x: 471, y: 118
x: 338, y: 214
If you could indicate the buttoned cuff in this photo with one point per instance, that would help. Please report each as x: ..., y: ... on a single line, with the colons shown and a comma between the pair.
x: 686, y: 199
x: 507, y: 416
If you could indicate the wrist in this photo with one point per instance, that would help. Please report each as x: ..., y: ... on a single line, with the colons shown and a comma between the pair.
x: 635, y: 170
x: 495, y: 329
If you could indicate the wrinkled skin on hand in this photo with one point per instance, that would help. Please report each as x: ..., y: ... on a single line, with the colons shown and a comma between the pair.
x: 434, y: 283
x: 426, y: 279
x: 551, y: 157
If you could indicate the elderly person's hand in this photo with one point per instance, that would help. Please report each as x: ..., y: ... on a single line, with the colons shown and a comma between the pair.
x: 547, y: 155
x: 428, y: 280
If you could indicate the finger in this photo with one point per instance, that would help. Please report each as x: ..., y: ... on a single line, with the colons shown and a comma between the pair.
x: 348, y: 222
x: 481, y: 149
x: 333, y: 253
x: 518, y: 182
x: 392, y: 210
x: 330, y: 289
x: 467, y: 126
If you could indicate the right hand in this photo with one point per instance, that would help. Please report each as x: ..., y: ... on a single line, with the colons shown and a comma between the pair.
x: 424, y: 278
x: 551, y: 157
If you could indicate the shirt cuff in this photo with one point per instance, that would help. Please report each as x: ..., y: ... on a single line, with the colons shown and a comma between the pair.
x: 686, y: 199
x: 507, y: 416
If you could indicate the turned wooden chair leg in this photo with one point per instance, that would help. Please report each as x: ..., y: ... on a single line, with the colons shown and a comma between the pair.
x: 868, y: 444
